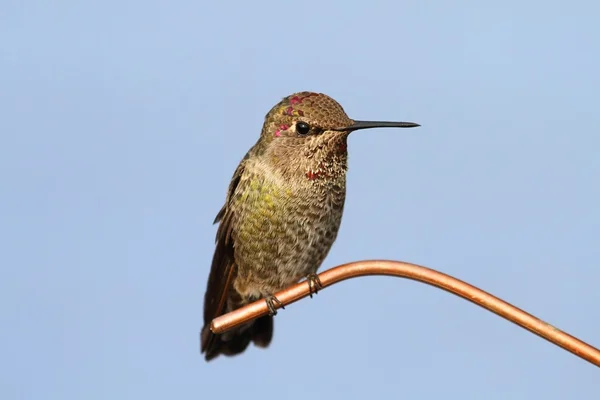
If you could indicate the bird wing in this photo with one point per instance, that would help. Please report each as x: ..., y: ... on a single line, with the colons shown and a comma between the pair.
x: 223, y: 266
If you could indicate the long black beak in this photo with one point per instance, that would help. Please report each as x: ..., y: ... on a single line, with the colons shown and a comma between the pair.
x: 377, y: 124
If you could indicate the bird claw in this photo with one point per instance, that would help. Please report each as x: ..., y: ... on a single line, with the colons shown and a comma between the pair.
x: 314, y: 284
x: 271, y: 301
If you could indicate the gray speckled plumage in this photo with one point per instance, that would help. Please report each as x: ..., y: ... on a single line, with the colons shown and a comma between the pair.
x: 281, y: 216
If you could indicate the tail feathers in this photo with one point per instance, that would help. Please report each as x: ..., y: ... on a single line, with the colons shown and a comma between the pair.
x: 233, y: 343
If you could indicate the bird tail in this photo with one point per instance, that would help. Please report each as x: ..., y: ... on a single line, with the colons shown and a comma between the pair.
x: 259, y: 331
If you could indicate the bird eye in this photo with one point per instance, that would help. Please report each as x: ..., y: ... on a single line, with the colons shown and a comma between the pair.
x: 302, y: 128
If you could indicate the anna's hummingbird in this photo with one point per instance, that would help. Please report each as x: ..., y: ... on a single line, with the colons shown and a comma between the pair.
x: 282, y: 214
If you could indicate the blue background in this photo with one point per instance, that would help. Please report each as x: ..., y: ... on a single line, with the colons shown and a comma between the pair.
x: 123, y: 121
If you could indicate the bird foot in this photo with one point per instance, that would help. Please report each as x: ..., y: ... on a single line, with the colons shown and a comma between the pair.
x: 271, y: 301
x: 314, y: 284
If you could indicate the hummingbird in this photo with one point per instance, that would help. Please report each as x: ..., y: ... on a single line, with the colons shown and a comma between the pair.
x: 281, y: 215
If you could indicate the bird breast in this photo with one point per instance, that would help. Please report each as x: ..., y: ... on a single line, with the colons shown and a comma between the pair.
x: 283, y: 230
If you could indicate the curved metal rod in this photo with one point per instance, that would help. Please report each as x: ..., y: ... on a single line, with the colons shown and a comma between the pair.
x: 415, y: 272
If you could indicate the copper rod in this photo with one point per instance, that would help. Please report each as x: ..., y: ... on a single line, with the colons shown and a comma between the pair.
x: 415, y: 272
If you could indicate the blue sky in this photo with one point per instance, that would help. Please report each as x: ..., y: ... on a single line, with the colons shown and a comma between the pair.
x: 122, y: 123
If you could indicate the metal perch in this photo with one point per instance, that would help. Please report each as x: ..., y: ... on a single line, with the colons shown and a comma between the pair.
x: 415, y: 272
